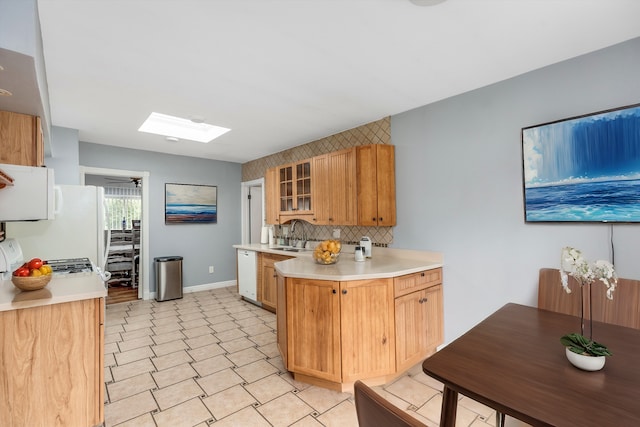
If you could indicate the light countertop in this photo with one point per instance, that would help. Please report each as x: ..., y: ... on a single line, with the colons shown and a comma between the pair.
x: 384, y: 263
x: 60, y: 289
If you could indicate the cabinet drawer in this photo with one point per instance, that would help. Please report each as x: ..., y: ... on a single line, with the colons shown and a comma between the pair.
x: 413, y: 282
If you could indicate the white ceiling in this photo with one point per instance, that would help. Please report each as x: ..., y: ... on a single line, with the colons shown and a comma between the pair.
x: 281, y: 73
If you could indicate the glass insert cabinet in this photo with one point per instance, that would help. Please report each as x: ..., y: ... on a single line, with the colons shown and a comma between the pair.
x: 295, y: 188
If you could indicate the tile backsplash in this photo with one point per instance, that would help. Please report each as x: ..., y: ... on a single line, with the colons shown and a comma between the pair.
x: 378, y: 132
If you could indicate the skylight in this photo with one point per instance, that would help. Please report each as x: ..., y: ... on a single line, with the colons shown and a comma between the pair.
x: 162, y: 124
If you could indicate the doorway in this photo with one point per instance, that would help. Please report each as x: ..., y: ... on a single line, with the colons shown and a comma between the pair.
x: 252, y: 210
x: 128, y: 251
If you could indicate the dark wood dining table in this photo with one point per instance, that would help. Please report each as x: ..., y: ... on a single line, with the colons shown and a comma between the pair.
x: 513, y: 362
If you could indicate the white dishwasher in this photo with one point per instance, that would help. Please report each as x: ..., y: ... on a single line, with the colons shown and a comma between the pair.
x: 248, y: 275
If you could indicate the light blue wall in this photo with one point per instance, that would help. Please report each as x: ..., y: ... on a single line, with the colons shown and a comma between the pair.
x: 201, y: 245
x: 459, y: 182
x: 65, y: 157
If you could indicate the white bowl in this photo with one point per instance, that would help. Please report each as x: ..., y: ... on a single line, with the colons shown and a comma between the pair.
x: 586, y: 363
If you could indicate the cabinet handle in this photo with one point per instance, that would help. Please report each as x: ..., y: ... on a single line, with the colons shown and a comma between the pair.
x: 422, y: 300
x: 314, y: 219
x: 373, y: 219
x: 333, y: 291
x: 344, y: 292
x: 422, y: 274
x: 381, y: 219
x: 330, y: 219
x: 275, y: 275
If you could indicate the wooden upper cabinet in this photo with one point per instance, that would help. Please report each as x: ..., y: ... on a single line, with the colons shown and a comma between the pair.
x: 334, y: 188
x: 355, y: 186
x: 294, y: 190
x: 376, y: 185
x: 271, y: 196
x: 21, y: 141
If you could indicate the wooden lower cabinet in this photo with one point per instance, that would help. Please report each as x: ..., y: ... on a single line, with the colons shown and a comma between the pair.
x: 340, y: 331
x: 367, y: 329
x: 267, y: 289
x: 313, y: 328
x: 333, y: 333
x: 418, y: 325
x: 51, y: 365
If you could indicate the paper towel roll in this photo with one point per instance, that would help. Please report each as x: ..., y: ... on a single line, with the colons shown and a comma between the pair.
x: 264, y: 237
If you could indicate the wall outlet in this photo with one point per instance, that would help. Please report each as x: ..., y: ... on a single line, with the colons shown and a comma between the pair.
x: 336, y: 233
x: 211, y: 269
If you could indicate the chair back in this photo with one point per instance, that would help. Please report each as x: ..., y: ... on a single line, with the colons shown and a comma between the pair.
x: 622, y: 310
x: 375, y: 411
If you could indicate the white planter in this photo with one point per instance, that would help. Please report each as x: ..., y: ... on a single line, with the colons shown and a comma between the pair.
x: 586, y: 363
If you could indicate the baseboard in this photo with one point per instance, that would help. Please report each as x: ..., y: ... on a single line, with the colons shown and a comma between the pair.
x: 198, y: 288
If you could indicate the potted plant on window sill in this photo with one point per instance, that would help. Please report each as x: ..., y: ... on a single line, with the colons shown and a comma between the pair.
x: 583, y: 352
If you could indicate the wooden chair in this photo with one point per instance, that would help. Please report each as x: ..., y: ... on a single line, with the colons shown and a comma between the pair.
x: 375, y: 411
x: 623, y: 309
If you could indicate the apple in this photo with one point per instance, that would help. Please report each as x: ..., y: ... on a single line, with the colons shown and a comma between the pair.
x: 35, y: 264
x: 21, y: 272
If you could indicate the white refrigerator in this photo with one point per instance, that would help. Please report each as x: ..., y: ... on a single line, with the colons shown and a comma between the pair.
x: 77, y: 230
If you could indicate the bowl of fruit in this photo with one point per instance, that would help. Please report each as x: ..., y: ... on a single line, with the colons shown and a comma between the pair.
x: 327, y: 252
x: 32, y: 275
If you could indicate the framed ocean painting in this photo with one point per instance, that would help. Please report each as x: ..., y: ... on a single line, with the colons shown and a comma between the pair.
x: 583, y: 169
x: 190, y: 203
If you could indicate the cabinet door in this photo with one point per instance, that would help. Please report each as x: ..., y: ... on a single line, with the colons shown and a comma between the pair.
x: 418, y: 326
x: 303, y: 186
x: 281, y: 318
x: 367, y: 187
x: 271, y: 195
x: 268, y: 294
x: 386, y: 185
x: 342, y: 187
x: 321, y: 190
x: 367, y: 325
x: 269, y: 290
x: 376, y: 185
x: 285, y: 188
x: 51, y: 369
x: 21, y: 139
x: 313, y: 328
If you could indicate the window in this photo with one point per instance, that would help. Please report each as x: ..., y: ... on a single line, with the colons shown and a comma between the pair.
x: 123, y: 206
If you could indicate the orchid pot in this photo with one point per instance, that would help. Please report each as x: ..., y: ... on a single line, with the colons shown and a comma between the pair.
x: 583, y: 352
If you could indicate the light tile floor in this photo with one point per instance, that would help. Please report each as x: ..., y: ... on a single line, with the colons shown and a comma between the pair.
x: 210, y: 359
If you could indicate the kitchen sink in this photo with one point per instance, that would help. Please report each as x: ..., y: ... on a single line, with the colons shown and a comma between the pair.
x: 289, y: 249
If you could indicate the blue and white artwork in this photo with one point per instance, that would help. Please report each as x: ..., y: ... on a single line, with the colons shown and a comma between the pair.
x: 185, y: 203
x: 585, y: 169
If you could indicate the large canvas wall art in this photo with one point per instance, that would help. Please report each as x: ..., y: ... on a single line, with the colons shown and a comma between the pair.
x: 583, y: 169
x: 187, y: 203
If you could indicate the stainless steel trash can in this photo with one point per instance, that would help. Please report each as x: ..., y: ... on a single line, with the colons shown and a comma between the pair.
x: 168, y: 277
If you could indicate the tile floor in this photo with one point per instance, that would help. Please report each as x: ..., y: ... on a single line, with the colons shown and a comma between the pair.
x: 210, y: 359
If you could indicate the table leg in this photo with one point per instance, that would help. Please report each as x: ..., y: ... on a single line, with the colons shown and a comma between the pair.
x: 449, y: 407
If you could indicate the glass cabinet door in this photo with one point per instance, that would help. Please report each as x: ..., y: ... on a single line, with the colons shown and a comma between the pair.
x: 303, y: 186
x: 286, y: 188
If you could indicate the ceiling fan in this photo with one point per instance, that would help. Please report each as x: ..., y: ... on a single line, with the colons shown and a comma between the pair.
x: 136, y: 181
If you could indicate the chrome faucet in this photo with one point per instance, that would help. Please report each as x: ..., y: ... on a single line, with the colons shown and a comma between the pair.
x: 293, y: 229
